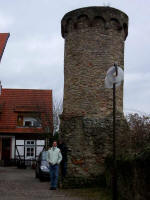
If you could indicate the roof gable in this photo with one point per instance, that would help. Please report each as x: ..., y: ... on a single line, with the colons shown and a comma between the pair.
x: 16, y: 101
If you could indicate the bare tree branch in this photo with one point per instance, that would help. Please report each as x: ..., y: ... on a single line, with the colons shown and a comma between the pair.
x: 57, y: 110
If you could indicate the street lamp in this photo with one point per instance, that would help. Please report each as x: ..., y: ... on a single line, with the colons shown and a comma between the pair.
x: 113, y: 79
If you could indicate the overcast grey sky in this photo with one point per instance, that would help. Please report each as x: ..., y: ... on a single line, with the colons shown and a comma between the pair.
x: 34, y: 54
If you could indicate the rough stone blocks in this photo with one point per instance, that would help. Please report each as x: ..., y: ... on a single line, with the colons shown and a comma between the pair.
x: 94, y: 41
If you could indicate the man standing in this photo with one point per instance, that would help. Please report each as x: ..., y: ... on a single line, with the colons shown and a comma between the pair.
x: 54, y: 158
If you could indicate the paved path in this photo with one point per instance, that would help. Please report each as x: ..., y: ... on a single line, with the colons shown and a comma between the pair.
x: 21, y: 184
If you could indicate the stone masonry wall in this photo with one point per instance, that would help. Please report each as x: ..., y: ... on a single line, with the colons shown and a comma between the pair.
x: 94, y: 40
x: 89, y: 141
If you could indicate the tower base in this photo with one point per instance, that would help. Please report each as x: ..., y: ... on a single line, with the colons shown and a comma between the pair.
x: 89, y: 142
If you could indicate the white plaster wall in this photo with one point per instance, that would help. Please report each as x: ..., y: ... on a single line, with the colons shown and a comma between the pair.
x: 39, y: 149
x: 40, y: 142
x: 19, y: 142
x: 21, y: 151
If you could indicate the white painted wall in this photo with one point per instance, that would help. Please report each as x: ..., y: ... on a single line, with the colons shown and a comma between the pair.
x: 21, y: 150
x: 40, y: 142
x: 19, y: 142
x: 39, y: 149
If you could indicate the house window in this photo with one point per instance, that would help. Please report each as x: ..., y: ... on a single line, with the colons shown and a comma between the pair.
x: 27, y: 123
x: 30, y: 149
x: 30, y: 142
x: 31, y: 122
x: 30, y: 152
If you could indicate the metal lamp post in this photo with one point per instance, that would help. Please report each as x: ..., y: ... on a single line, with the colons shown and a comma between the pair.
x: 113, y: 79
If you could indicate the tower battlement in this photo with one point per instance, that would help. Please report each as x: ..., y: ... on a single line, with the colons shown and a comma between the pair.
x: 106, y: 18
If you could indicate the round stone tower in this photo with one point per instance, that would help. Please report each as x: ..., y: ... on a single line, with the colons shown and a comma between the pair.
x: 94, y: 41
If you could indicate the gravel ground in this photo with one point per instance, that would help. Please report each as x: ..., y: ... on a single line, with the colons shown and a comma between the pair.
x: 21, y: 184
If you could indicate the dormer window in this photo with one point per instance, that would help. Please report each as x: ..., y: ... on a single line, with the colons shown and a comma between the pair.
x: 26, y: 121
x: 31, y: 122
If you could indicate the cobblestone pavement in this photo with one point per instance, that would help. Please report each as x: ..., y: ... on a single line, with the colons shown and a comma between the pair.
x: 21, y: 184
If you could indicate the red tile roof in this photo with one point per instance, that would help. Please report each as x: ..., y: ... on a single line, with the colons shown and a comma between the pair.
x: 15, y: 101
x: 3, y: 40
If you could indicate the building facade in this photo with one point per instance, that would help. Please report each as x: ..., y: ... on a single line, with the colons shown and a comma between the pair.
x: 26, y: 121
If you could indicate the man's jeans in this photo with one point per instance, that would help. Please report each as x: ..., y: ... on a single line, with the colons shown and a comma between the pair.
x: 54, y: 170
